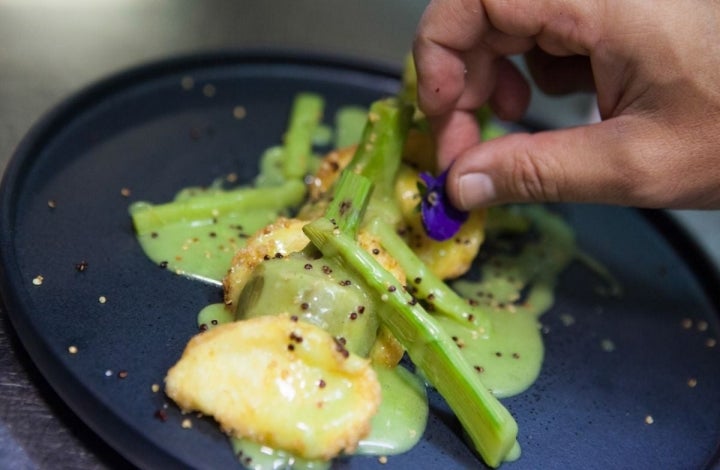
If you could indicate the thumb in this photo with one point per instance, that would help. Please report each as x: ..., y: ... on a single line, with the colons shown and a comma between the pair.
x: 593, y: 163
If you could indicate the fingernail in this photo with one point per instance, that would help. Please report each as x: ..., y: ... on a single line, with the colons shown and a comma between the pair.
x: 475, y: 189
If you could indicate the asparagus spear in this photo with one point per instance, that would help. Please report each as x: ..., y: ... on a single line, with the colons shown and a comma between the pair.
x: 378, y: 158
x: 439, y: 297
x: 305, y: 116
x: 378, y: 155
x: 290, y: 191
x: 490, y: 426
x: 150, y: 217
x: 343, y: 210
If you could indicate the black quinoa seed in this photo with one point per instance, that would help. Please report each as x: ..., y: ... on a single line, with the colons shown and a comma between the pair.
x: 161, y: 415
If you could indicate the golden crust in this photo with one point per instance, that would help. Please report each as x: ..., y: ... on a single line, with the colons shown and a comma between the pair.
x: 279, y: 382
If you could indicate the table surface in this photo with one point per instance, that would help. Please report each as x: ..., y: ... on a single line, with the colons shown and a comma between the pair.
x: 51, y: 48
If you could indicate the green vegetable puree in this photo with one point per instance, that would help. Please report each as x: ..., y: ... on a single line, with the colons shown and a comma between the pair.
x: 202, y: 249
x: 515, y: 288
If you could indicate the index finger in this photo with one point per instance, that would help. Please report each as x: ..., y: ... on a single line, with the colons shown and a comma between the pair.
x: 458, y: 42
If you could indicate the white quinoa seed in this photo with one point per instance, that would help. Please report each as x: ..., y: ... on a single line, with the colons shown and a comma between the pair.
x: 187, y: 82
x: 38, y: 280
x: 239, y: 112
x: 710, y: 342
x: 72, y: 349
x: 607, y: 345
x: 155, y: 388
x: 102, y: 299
x: 186, y: 423
x: 692, y: 382
x: 649, y: 419
x: 209, y: 90
x: 125, y: 192
x: 383, y: 459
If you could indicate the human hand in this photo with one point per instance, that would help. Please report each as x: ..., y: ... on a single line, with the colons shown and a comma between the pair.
x: 655, y: 67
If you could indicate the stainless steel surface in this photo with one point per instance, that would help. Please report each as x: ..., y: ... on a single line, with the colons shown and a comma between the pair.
x: 51, y: 48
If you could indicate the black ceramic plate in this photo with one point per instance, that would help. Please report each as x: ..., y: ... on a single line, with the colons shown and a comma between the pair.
x: 153, y: 131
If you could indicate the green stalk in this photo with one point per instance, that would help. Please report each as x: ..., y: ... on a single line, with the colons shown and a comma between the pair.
x: 408, y: 91
x: 427, y: 286
x: 305, y: 116
x: 490, y: 426
x: 150, y: 217
x: 379, y: 153
x: 350, y: 199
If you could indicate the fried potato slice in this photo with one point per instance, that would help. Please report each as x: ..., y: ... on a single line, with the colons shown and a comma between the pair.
x: 279, y: 382
x: 447, y: 259
x: 282, y: 237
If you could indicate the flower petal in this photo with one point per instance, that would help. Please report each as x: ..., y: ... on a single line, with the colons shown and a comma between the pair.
x: 440, y: 218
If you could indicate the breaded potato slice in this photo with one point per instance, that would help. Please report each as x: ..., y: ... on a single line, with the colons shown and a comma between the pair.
x: 329, y: 171
x: 279, y: 382
x: 282, y: 237
x: 446, y: 259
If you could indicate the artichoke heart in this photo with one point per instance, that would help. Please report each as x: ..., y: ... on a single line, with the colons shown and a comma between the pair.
x: 279, y: 382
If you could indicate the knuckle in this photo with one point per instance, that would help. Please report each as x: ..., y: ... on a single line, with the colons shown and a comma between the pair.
x: 535, y: 177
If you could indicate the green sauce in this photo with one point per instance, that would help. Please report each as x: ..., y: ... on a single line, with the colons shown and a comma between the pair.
x: 515, y: 288
x: 214, y: 315
x: 203, y: 249
x: 400, y: 422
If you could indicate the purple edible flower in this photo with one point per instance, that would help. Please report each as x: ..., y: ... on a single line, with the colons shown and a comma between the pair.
x: 440, y: 218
